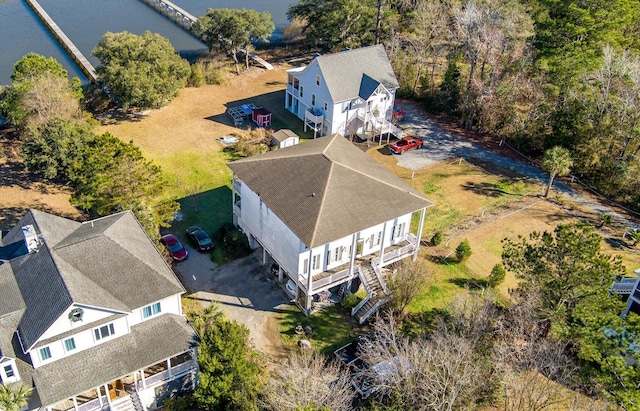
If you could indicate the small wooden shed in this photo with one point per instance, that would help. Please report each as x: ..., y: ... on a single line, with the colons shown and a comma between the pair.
x: 284, y: 138
x: 262, y: 117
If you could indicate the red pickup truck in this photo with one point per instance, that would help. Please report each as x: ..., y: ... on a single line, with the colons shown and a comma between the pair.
x: 404, y: 144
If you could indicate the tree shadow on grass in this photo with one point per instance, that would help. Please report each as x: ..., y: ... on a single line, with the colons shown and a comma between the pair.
x: 470, y: 283
x: 485, y: 189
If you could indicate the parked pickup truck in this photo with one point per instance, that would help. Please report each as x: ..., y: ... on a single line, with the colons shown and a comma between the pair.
x: 404, y: 144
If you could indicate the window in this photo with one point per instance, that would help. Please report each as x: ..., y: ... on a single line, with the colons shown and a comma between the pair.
x: 338, y: 254
x: 104, y: 331
x: 317, y: 80
x: 301, y: 91
x: 305, y: 266
x: 316, y: 261
x: 45, y: 353
x: 378, y: 237
x: 313, y: 99
x: 69, y: 344
x: 8, y: 371
x: 150, y: 310
x: 399, y: 231
x: 326, y: 107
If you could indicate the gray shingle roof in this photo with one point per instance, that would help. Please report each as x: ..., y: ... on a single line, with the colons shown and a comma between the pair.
x: 148, y: 343
x: 343, y: 72
x: 327, y: 189
x: 108, y: 262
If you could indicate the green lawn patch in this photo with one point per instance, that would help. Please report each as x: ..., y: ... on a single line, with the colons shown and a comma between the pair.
x: 332, y: 328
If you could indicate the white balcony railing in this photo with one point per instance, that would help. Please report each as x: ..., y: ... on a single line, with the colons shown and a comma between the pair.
x: 314, y: 115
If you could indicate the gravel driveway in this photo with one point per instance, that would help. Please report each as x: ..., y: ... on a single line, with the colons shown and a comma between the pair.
x: 246, y: 291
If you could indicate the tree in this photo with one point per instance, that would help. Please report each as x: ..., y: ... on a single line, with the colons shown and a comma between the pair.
x: 463, y: 250
x: 564, y: 267
x: 113, y: 176
x: 408, y: 281
x: 52, y: 148
x: 497, y: 276
x: 40, y: 91
x: 229, y: 374
x: 335, y: 25
x: 14, y: 397
x: 142, y: 71
x: 557, y: 162
x: 436, y: 372
x: 233, y: 30
x: 307, y: 381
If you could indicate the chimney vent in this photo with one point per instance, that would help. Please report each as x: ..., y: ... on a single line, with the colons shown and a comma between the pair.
x: 30, y: 238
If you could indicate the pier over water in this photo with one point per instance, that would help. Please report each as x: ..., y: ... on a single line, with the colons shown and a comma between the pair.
x: 86, y: 67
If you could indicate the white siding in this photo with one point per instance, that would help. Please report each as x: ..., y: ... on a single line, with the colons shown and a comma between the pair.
x: 260, y: 222
x: 83, y: 340
x: 170, y: 305
x: 63, y: 324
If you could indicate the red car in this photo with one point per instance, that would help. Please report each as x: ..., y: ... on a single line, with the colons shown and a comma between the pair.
x: 404, y: 144
x: 175, y: 247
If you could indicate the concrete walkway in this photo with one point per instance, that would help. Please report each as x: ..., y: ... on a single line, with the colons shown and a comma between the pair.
x: 440, y: 145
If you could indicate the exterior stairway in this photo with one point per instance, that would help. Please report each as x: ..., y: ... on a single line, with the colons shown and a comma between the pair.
x: 128, y: 403
x: 377, y: 295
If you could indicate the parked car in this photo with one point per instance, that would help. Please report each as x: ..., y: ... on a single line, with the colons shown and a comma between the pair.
x: 404, y: 144
x: 175, y: 247
x: 200, y: 238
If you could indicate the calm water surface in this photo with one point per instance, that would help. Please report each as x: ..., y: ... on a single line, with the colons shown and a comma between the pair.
x: 85, y: 22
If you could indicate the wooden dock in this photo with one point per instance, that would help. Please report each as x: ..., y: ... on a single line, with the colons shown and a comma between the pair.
x: 78, y: 57
x: 174, y: 12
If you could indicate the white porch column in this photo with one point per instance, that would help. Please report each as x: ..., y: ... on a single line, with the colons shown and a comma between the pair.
x: 144, y: 382
x: 419, y: 233
x: 309, y: 298
x: 75, y: 403
x: 169, y: 368
x: 280, y: 272
x: 264, y: 256
x: 106, y: 391
x: 352, y: 259
x: 384, y: 232
x: 99, y: 397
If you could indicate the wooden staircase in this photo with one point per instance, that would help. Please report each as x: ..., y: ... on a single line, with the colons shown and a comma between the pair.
x: 377, y: 294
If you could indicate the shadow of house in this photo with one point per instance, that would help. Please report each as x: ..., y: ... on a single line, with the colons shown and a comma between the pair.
x: 209, y: 209
x: 272, y: 101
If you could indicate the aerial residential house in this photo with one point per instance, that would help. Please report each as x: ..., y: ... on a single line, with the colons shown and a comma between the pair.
x: 329, y: 215
x: 628, y: 286
x: 90, y: 315
x: 351, y: 92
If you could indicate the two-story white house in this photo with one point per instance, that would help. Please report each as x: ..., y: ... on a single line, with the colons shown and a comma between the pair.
x: 329, y: 215
x: 351, y: 92
x: 90, y: 315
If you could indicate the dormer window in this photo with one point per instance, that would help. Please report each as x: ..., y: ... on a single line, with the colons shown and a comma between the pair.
x: 9, y: 373
x: 45, y: 353
x: 104, y: 331
x: 75, y: 315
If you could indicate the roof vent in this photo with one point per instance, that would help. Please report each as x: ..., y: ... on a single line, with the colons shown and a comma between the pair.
x: 30, y: 238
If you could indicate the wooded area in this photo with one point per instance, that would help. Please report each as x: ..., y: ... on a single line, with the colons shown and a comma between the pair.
x: 537, y: 73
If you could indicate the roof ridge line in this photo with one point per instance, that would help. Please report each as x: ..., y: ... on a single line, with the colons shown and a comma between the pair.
x: 324, y: 197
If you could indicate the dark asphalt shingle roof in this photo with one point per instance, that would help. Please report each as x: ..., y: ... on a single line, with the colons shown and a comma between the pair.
x: 343, y: 72
x: 149, y: 342
x: 327, y: 189
x: 108, y: 262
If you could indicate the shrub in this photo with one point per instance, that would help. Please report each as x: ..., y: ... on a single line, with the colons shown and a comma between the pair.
x: 463, y: 250
x: 223, y: 230
x: 350, y: 301
x: 197, y: 77
x: 497, y: 276
x: 437, y: 238
x: 606, y: 218
x: 236, y: 244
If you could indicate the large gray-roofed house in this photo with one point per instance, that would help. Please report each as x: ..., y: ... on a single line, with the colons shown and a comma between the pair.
x: 83, y: 291
x: 318, y: 206
x: 350, y: 92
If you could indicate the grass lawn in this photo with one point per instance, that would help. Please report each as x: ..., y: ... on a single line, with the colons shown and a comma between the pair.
x: 332, y: 328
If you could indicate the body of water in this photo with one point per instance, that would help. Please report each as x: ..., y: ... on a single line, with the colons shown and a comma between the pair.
x: 85, y: 22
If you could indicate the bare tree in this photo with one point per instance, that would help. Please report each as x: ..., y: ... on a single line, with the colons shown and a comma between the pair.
x: 307, y: 381
x: 49, y: 96
x: 441, y: 372
x: 409, y: 280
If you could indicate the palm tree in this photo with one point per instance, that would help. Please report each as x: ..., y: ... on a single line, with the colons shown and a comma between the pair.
x: 14, y: 397
x: 557, y: 162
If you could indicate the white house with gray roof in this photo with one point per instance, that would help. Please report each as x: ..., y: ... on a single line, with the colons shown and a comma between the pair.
x: 90, y: 315
x: 351, y: 92
x: 328, y: 214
